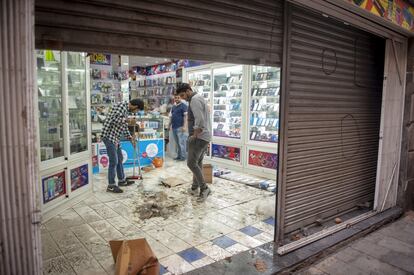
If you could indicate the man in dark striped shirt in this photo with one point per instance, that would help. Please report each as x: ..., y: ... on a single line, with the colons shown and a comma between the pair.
x: 116, y: 126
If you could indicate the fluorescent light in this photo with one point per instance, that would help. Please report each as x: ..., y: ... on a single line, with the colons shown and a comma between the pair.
x: 146, y: 64
x: 156, y: 61
x: 165, y: 59
x: 125, y: 63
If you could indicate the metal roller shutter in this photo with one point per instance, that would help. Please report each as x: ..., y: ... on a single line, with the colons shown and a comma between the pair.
x: 246, y: 32
x: 332, y: 119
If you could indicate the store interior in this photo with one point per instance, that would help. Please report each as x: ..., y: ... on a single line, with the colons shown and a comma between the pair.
x: 76, y: 92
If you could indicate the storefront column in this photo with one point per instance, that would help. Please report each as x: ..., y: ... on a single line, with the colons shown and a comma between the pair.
x: 406, y: 188
x: 20, y: 249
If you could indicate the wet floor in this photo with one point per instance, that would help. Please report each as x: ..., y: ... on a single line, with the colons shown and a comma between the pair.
x: 183, y: 232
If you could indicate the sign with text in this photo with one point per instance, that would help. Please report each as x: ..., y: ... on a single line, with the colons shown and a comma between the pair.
x: 100, y: 59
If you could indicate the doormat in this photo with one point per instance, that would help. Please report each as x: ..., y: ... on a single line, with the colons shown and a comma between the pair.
x: 253, y: 181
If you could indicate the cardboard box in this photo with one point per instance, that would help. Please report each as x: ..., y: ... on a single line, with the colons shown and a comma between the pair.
x: 208, y: 173
x: 134, y: 257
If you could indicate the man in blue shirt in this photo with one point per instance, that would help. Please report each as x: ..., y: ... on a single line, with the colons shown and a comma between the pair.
x: 178, y: 123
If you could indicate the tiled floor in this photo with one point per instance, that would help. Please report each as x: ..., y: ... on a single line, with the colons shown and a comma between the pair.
x: 233, y: 219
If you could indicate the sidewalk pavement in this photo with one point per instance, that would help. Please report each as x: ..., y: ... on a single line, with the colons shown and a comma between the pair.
x: 389, y: 250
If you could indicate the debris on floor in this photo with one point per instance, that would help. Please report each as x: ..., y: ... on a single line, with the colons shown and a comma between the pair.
x: 260, y: 265
x: 172, y: 181
x: 295, y: 237
x: 338, y: 220
x: 257, y: 182
x: 265, y: 208
x: 157, y: 204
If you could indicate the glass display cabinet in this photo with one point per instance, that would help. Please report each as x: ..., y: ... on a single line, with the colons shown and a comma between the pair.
x: 227, y: 102
x: 264, y: 104
x: 64, y: 126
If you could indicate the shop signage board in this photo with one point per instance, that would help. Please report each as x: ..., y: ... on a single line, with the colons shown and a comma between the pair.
x: 54, y: 186
x: 79, y: 177
x: 399, y: 12
x: 100, y: 59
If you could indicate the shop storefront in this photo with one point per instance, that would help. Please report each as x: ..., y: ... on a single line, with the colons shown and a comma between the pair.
x: 333, y: 121
x: 342, y: 86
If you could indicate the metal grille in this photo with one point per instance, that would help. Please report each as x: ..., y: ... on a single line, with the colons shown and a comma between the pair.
x: 332, y: 114
x: 20, y: 251
x: 245, y: 32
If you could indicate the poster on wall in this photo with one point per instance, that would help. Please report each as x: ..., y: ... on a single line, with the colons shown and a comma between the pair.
x: 263, y: 159
x: 54, y: 186
x: 79, y: 177
x: 100, y: 59
x: 226, y: 152
x: 400, y: 12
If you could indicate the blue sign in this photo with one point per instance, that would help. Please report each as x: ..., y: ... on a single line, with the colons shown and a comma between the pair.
x: 148, y: 150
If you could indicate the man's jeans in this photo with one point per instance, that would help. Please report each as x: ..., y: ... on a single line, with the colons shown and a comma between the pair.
x: 180, y: 138
x: 196, y: 150
x: 115, y: 161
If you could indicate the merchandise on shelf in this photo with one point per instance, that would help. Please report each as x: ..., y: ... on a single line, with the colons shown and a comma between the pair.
x: 76, y: 75
x: 149, y: 128
x: 227, y: 101
x: 107, y: 88
x: 50, y: 94
x: 156, y: 90
x: 264, y: 104
x: 200, y: 81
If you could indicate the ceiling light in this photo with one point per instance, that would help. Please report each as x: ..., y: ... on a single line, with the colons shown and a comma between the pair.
x: 165, y: 59
x: 125, y: 63
x: 146, y: 64
x: 156, y: 61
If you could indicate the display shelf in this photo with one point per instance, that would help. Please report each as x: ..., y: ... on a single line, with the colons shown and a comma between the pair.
x: 264, y: 104
x: 227, y: 101
x: 201, y: 82
x: 51, y: 119
x: 157, y: 90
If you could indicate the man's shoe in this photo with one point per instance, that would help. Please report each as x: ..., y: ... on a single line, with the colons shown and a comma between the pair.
x: 204, y: 193
x: 193, y: 192
x: 114, y: 189
x: 177, y: 158
x: 125, y: 182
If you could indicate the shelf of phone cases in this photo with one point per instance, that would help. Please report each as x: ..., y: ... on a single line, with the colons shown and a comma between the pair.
x: 76, y: 78
x: 264, y: 104
x: 158, y: 91
x: 200, y: 81
x: 227, y: 102
x: 49, y: 81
